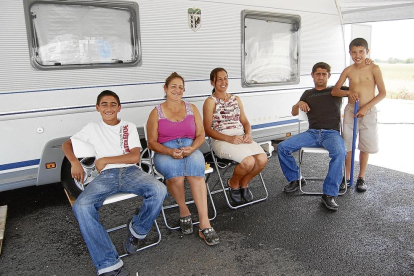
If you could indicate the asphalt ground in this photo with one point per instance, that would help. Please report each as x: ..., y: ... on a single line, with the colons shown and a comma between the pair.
x: 370, y: 234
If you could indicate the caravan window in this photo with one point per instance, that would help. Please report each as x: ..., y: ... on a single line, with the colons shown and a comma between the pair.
x: 74, y: 34
x: 270, y: 48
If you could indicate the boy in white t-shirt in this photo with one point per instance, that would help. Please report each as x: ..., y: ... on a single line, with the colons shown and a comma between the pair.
x: 117, y: 147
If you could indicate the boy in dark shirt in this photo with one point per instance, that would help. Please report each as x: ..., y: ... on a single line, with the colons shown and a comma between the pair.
x: 324, y: 114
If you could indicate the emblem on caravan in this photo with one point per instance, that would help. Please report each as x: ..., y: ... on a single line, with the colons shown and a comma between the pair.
x: 194, y: 19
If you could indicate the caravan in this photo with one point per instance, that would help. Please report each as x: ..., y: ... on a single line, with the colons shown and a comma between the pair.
x: 58, y: 55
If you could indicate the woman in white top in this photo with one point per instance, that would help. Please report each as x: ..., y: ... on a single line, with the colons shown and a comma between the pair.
x: 226, y: 123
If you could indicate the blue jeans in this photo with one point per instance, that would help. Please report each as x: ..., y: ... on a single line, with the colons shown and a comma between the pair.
x: 331, y: 140
x: 119, y: 180
x: 192, y: 165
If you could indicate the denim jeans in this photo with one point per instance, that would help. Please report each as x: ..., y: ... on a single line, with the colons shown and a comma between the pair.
x: 331, y: 140
x: 119, y: 180
x: 193, y: 165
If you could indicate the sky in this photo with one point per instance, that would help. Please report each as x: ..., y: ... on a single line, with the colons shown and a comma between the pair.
x: 392, y: 39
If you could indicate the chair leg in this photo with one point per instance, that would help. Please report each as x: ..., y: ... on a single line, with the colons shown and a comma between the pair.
x: 188, y: 202
x: 224, y: 188
x: 301, y: 153
x: 149, y: 245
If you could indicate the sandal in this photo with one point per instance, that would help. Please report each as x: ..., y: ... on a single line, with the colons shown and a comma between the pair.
x: 209, y: 235
x: 186, y: 225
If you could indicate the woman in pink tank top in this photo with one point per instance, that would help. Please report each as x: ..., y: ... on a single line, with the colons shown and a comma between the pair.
x: 175, y: 132
x: 226, y: 123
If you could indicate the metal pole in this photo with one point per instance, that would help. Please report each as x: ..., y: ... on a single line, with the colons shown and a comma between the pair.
x: 353, y: 143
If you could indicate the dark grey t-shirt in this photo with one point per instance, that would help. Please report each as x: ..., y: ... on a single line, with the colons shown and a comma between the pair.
x: 325, y: 109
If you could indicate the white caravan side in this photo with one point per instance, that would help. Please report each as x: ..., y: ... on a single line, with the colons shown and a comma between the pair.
x: 41, y: 108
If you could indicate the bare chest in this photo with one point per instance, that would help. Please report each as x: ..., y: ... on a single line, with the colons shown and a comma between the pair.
x: 361, y: 77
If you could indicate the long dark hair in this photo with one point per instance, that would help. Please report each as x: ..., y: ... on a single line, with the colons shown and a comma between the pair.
x: 213, y: 76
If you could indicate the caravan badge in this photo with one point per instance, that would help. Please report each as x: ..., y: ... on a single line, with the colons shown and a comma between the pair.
x: 194, y: 19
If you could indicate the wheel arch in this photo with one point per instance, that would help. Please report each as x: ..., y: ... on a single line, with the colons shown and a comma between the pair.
x: 52, y: 153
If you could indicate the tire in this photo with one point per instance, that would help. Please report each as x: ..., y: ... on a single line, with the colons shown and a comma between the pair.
x: 72, y: 186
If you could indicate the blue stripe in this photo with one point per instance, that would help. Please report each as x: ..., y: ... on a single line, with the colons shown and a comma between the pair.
x: 19, y: 164
x: 37, y: 161
x: 275, y: 124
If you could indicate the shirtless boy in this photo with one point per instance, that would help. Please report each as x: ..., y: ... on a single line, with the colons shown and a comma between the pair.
x: 362, y: 81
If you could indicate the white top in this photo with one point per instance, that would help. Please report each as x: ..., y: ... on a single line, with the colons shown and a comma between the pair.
x: 110, y: 140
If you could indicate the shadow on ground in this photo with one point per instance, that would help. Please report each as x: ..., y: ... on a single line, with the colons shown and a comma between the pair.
x: 371, y: 234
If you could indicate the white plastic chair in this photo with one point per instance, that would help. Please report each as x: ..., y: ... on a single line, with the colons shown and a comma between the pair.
x: 303, y: 117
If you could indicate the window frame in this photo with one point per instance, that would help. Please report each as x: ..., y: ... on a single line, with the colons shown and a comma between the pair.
x: 132, y: 7
x: 274, y: 17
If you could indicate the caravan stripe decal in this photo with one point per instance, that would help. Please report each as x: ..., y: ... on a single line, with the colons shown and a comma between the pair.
x: 37, y: 161
x: 19, y: 164
x: 275, y: 124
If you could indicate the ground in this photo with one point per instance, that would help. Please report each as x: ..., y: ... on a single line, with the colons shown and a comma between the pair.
x: 371, y: 234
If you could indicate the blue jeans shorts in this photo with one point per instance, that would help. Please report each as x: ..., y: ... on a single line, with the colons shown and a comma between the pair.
x: 193, y: 165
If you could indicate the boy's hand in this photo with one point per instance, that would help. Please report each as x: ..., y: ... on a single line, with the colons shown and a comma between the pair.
x: 77, y: 172
x: 100, y: 164
x: 247, y: 138
x: 369, y: 61
x: 177, y: 153
x: 187, y: 151
x: 236, y: 139
x: 304, y: 106
x: 361, y: 112
x: 353, y: 96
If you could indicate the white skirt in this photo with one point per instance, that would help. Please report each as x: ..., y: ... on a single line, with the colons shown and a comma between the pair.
x: 235, y: 152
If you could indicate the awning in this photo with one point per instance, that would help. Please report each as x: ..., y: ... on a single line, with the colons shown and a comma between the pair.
x: 359, y: 11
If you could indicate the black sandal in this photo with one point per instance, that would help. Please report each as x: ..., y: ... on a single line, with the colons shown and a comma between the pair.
x: 209, y: 235
x: 186, y: 225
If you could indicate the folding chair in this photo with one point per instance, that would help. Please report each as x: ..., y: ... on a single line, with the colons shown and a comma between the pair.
x: 160, y: 177
x: 83, y: 149
x: 222, y: 166
x: 303, y: 117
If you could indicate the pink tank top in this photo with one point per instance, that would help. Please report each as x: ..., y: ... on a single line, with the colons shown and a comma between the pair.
x: 169, y: 130
x: 226, y: 115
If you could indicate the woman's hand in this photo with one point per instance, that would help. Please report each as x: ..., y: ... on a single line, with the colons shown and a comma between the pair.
x: 235, y: 139
x: 247, y: 138
x: 187, y: 151
x: 177, y: 153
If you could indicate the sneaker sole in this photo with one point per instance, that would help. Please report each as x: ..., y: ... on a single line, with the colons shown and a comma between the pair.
x: 329, y: 207
x: 360, y: 190
x: 291, y: 191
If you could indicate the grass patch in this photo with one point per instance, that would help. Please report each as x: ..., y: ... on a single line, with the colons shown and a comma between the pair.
x: 399, y: 80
